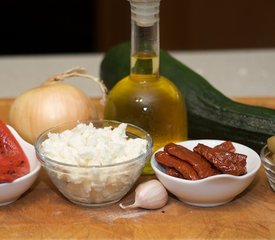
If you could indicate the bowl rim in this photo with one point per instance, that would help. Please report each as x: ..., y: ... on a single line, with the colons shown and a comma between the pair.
x: 43, y: 158
x: 263, y: 155
x: 29, y: 175
x: 155, y: 165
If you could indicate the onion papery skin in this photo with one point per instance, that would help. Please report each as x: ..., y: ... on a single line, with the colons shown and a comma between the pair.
x: 38, y: 109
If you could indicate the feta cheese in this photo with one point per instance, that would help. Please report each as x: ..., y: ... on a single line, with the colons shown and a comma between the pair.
x: 86, y: 145
x: 90, y: 149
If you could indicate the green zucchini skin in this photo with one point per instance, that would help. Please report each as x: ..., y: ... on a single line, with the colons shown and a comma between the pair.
x: 211, y: 115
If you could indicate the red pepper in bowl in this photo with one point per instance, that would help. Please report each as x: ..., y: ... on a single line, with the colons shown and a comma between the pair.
x: 13, y: 161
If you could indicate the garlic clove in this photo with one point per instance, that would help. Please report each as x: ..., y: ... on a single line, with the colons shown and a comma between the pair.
x: 149, y: 195
x: 134, y: 205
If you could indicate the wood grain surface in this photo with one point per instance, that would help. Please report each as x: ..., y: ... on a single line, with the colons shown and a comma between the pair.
x: 43, y: 213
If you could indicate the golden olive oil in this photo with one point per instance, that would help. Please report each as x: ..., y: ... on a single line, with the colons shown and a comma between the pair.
x: 150, y: 102
x: 145, y: 98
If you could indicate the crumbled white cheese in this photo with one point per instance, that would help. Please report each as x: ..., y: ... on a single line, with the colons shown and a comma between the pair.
x: 86, y: 146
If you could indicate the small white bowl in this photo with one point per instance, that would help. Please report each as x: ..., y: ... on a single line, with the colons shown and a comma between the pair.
x: 10, y: 192
x: 212, y: 191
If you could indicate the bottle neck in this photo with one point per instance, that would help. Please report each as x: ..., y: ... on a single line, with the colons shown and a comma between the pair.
x: 145, y: 38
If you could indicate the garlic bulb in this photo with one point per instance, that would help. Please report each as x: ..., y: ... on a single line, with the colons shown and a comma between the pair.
x: 52, y: 103
x: 149, y: 195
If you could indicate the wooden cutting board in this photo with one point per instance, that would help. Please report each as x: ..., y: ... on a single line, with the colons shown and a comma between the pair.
x: 43, y: 213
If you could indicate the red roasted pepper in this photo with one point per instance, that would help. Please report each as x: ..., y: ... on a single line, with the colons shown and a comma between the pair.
x: 13, y: 161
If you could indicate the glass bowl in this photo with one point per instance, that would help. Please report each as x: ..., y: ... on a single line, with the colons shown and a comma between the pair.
x: 269, y: 166
x: 95, y: 185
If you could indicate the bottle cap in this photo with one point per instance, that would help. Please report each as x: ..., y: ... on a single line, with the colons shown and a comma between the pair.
x: 145, y: 12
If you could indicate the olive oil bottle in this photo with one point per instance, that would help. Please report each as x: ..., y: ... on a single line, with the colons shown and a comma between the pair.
x: 145, y: 98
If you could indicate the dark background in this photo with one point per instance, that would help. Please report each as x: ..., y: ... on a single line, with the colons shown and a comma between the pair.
x: 85, y: 26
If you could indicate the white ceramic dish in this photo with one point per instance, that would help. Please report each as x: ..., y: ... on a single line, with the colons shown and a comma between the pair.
x: 10, y: 192
x: 212, y: 191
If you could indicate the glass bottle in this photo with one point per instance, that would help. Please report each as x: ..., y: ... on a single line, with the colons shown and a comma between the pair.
x: 145, y: 98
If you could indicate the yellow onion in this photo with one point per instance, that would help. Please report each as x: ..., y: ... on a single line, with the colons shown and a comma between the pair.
x: 52, y: 103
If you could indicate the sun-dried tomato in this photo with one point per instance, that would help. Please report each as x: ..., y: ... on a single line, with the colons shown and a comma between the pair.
x: 200, y: 165
x: 226, y: 146
x: 224, y: 161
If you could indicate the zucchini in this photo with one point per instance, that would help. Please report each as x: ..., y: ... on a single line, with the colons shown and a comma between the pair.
x: 211, y: 114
